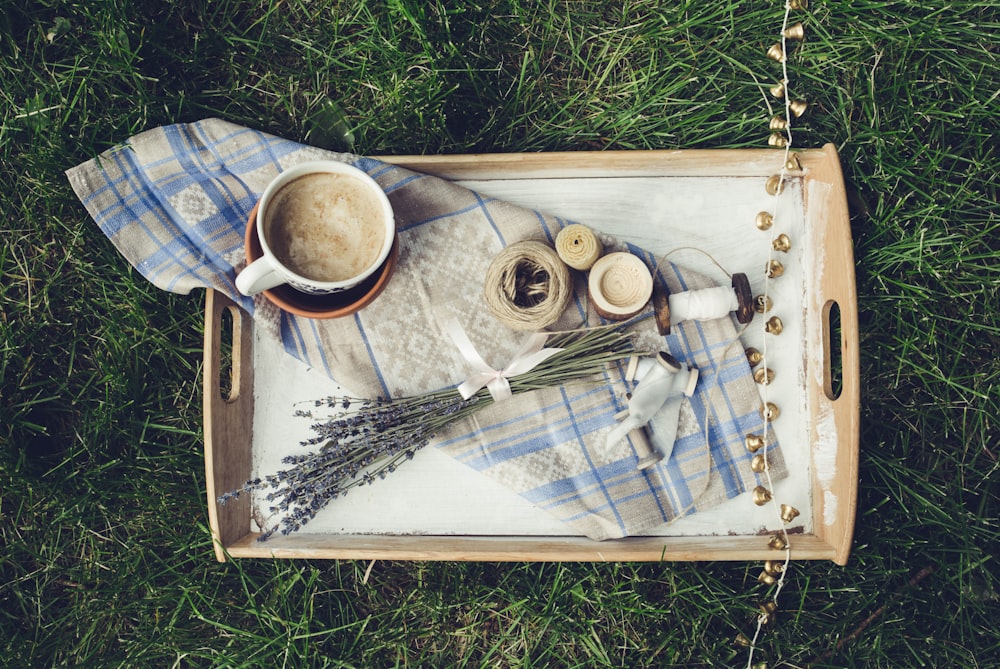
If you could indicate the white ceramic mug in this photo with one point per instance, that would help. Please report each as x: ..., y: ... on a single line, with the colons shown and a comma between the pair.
x: 324, y: 227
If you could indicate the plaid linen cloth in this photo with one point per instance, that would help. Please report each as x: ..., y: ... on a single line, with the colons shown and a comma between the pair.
x: 175, y: 201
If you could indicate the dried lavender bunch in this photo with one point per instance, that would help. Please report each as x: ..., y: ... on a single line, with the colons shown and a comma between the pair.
x: 369, y: 439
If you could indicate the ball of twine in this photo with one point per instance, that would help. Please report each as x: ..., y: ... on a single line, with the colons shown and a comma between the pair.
x: 527, y: 286
x: 578, y: 246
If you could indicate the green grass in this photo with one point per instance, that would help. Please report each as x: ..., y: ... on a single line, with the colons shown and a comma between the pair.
x: 105, y: 559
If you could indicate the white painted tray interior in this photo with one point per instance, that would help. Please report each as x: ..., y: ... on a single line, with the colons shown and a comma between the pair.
x: 685, y: 217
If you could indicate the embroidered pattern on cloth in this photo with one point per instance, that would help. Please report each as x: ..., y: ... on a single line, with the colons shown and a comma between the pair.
x: 175, y: 200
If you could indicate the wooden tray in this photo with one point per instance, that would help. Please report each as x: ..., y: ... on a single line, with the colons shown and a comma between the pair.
x: 661, y: 200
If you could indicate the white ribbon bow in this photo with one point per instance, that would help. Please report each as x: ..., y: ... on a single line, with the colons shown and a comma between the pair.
x: 496, y: 381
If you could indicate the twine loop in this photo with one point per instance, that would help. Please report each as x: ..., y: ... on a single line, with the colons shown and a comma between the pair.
x: 527, y: 287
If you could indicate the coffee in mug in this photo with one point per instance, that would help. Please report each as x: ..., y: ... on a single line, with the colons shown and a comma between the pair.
x: 324, y: 227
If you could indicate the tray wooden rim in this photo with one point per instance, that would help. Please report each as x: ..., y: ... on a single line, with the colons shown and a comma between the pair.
x: 228, y: 421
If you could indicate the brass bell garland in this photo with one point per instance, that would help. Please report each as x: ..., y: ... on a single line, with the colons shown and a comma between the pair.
x: 788, y: 513
x: 782, y: 243
x: 762, y: 304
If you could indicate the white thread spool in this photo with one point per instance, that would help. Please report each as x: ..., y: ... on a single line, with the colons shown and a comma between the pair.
x: 704, y: 304
x: 701, y: 305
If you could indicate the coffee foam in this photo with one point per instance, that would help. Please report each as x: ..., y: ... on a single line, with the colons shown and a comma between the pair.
x: 325, y: 227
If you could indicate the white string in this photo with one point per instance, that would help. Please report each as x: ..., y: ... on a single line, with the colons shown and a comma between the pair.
x: 779, y: 586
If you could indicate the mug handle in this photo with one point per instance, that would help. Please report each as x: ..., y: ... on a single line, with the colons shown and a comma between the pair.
x: 257, y: 276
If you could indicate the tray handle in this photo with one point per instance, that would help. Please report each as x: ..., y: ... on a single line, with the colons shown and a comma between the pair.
x: 228, y: 417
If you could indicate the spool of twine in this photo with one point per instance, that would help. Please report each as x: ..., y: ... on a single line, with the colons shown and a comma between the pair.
x: 527, y: 286
x: 620, y: 285
x: 578, y: 246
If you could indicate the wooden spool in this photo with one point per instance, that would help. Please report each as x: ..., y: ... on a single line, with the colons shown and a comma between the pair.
x: 744, y: 297
x: 619, y: 285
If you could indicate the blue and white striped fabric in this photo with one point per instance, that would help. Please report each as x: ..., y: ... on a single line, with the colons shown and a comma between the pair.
x: 175, y: 201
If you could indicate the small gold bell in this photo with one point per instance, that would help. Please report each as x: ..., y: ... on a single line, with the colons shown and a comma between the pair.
x: 774, y: 269
x: 796, y: 31
x: 767, y: 611
x: 776, y: 139
x: 781, y: 243
x: 770, y: 412
x: 742, y: 640
x: 764, y: 221
x: 774, y: 185
x: 774, y: 326
x: 778, y: 90
x: 775, y: 53
x: 758, y: 464
x: 762, y: 304
x: 793, y: 164
x: 777, y: 123
x: 763, y: 376
x: 774, y: 567
x: 788, y: 513
x: 798, y: 107
x: 754, y: 356
x: 778, y: 543
x: 761, y: 665
x: 761, y: 495
x: 766, y: 578
x: 754, y: 442
x: 798, y: 4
